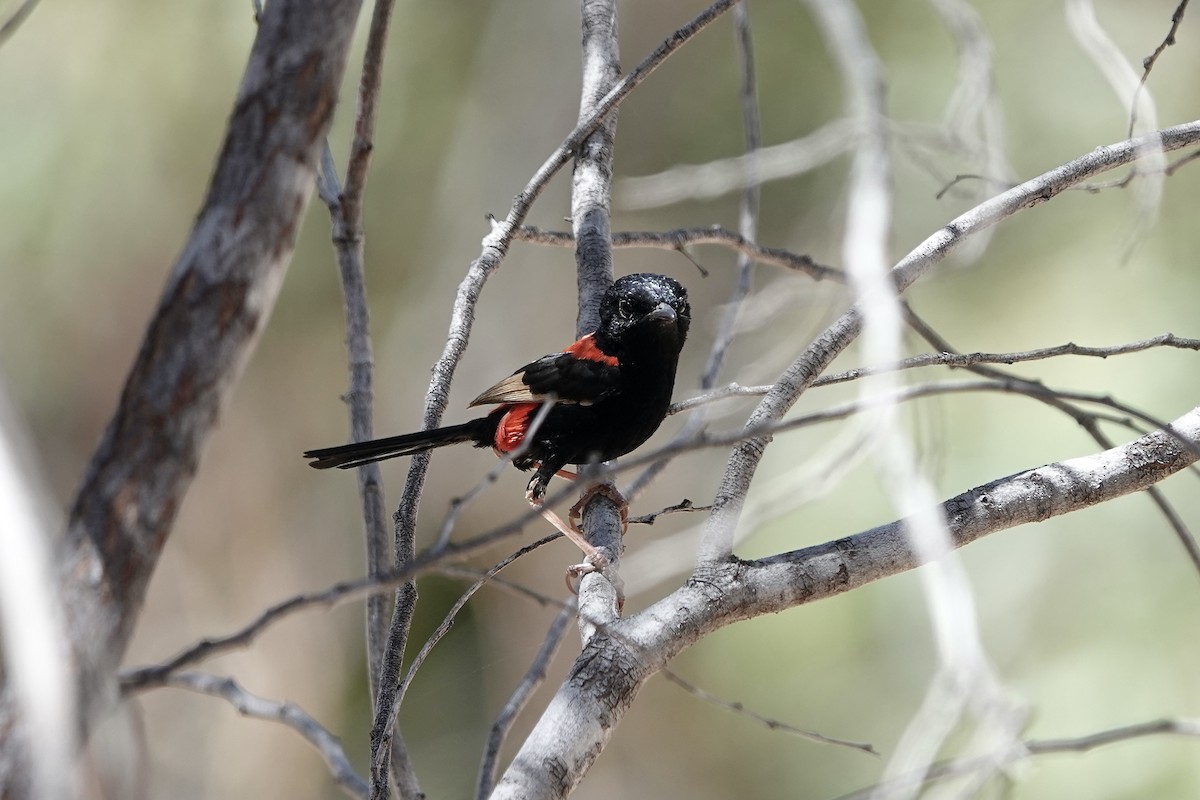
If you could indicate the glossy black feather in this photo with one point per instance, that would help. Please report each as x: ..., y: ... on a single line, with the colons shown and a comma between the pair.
x: 571, y: 379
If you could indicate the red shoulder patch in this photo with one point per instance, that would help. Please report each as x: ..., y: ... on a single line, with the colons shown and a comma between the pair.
x: 511, y: 430
x: 587, y: 349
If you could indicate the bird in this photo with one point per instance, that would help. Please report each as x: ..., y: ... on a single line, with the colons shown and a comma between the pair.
x: 609, y: 391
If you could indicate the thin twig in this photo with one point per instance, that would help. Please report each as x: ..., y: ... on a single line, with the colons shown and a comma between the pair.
x: 680, y: 238
x: 1090, y: 187
x: 1149, y: 61
x: 1087, y: 421
x: 285, y: 713
x: 748, y: 213
x: 954, y: 360
x: 768, y: 722
x: 683, y: 505
x: 534, y: 677
x: 503, y: 584
x: 385, y: 733
x: 959, y: 767
x: 346, y: 214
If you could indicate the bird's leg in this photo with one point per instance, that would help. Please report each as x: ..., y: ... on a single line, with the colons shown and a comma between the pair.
x: 593, y: 559
x: 605, y: 490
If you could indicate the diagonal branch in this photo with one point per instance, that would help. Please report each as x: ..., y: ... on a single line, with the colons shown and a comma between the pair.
x: 249, y: 704
x: 1035, y: 495
x: 744, y: 460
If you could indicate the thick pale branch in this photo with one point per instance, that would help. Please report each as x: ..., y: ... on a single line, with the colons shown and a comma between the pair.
x: 1035, y: 495
x: 615, y: 663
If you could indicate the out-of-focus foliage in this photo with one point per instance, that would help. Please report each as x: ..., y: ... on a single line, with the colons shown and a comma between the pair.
x: 110, y: 118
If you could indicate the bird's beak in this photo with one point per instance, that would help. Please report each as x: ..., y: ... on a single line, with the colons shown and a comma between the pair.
x: 662, y: 313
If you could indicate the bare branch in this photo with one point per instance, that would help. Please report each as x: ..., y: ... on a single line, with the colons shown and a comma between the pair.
x: 534, y: 677
x: 959, y: 767
x: 748, y: 214
x: 680, y: 238
x: 1034, y: 495
x: 385, y: 643
x: 972, y: 359
x: 683, y: 505
x: 346, y: 212
x: 288, y: 714
x: 1149, y: 61
x: 216, y: 301
x: 773, y: 162
x: 591, y: 182
x: 767, y: 722
x: 381, y: 735
x: 953, y: 360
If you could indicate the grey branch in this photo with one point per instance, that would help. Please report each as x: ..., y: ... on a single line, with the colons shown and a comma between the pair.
x: 534, y: 677
x: 681, y: 238
x: 289, y: 714
x: 748, y: 211
x: 955, y: 360
x: 767, y: 722
x: 965, y: 766
x: 615, y: 664
x: 346, y: 212
x: 215, y: 303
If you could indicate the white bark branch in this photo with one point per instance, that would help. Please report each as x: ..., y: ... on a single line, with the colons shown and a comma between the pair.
x: 615, y: 663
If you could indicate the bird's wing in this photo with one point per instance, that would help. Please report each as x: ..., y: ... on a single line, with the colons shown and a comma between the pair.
x: 580, y: 374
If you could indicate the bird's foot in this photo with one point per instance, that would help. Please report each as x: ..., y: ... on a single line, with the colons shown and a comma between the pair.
x: 575, y: 514
x: 596, y: 563
x: 593, y: 559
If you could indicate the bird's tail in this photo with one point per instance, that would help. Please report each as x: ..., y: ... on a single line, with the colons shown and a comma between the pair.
x: 347, y: 456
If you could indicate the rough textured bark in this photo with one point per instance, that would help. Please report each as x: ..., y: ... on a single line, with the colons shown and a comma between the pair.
x: 616, y: 663
x: 592, y: 182
x: 216, y: 300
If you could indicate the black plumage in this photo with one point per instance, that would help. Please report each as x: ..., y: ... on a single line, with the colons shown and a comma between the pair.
x: 611, y: 390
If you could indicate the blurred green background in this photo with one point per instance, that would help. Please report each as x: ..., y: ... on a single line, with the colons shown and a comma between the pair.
x: 111, y: 117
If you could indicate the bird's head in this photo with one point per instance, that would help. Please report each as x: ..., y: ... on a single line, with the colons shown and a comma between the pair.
x: 644, y: 308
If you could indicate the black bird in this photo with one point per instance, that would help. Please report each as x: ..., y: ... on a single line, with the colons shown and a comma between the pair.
x: 610, y: 389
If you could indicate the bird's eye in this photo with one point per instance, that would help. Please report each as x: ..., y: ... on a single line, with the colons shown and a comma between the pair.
x: 625, y: 307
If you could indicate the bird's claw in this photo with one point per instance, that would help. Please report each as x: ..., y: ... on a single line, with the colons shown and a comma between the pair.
x: 575, y: 514
x: 595, y: 562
